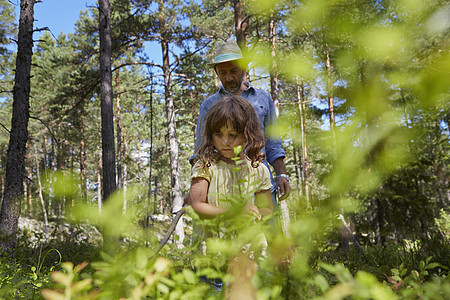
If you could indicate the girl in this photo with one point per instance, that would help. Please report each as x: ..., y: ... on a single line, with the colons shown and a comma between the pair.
x: 230, y: 123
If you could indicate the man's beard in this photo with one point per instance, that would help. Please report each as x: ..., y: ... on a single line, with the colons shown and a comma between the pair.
x: 232, y: 91
x: 236, y: 89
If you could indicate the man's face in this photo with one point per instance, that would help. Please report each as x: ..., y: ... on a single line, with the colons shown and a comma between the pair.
x: 231, y: 76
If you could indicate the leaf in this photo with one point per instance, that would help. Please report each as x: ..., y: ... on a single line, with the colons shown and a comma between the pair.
x: 81, y: 285
x: 433, y: 265
x: 421, y: 265
x: 322, y: 283
x: 60, y: 277
x: 52, y: 295
x: 189, y: 276
x: 162, y: 288
x: 80, y: 267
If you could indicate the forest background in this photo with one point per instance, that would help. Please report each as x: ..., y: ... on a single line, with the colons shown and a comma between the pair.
x: 361, y: 89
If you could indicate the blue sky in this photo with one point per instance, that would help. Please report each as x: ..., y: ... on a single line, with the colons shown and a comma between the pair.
x: 60, y: 17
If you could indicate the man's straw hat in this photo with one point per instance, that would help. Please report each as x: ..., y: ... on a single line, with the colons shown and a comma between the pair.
x: 227, y: 51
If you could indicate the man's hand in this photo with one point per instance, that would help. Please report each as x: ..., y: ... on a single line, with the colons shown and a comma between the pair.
x: 283, y: 183
x: 284, y: 187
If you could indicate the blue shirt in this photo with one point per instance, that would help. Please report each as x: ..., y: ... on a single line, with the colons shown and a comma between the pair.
x: 263, y: 104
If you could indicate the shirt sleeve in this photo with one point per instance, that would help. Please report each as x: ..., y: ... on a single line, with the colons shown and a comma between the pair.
x: 274, y: 148
x: 264, y: 176
x: 199, y: 171
x: 199, y: 131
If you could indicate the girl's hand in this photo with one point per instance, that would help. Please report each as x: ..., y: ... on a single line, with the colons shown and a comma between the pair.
x: 253, y: 211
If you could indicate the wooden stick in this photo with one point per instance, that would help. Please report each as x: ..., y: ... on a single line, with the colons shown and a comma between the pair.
x: 171, y: 229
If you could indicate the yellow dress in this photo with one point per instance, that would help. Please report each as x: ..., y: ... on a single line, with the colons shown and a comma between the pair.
x: 223, y: 182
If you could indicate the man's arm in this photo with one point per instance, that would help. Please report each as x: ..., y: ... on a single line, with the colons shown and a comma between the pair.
x: 275, y: 152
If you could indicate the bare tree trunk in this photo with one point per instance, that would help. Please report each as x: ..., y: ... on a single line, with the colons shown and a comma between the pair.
x: 139, y: 162
x: 150, y: 156
x: 83, y: 161
x: 99, y: 182
x: 125, y: 169
x: 177, y: 199
x: 30, y: 196
x: 41, y: 197
x: 273, y: 71
x: 285, y: 221
x: 25, y: 196
x: 119, y: 143
x: 330, y: 95
x: 240, y: 24
x: 15, y: 164
x: 109, y: 170
x: 297, y: 173
x: 304, y: 150
x: 119, y: 134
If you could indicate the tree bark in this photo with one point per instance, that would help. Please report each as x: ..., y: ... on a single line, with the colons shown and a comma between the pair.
x: 274, y: 93
x: 330, y: 96
x: 41, y: 197
x: 99, y: 182
x: 177, y: 199
x: 83, y: 161
x: 125, y: 169
x: 119, y: 134
x: 304, y: 150
x: 240, y: 25
x: 273, y: 71
x: 15, y: 164
x: 108, y: 155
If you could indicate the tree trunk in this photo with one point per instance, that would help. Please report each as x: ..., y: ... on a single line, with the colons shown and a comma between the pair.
x: 119, y: 134
x: 240, y: 25
x: 15, y: 164
x: 150, y: 156
x: 273, y: 71
x: 108, y: 155
x: 296, y: 168
x: 177, y: 199
x: 83, y: 161
x: 99, y: 182
x: 41, y: 197
x: 274, y: 93
x: 125, y: 169
x: 28, y: 189
x: 330, y: 96
x: 304, y: 150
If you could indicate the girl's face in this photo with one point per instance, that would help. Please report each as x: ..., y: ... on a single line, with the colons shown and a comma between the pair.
x: 227, y: 139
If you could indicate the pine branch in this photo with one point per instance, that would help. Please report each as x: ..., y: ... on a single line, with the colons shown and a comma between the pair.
x: 54, y: 138
x: 6, y: 128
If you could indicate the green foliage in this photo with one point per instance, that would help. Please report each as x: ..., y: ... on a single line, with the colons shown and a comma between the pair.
x: 443, y: 224
x: 385, y: 165
x: 21, y: 281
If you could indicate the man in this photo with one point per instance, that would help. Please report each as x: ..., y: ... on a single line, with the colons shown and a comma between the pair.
x: 227, y: 64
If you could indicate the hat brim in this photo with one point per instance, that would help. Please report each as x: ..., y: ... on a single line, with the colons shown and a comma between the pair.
x: 243, y: 61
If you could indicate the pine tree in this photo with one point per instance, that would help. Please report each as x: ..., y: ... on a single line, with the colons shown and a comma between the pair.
x: 15, y: 165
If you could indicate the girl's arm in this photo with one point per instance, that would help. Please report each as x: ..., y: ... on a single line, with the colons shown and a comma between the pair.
x: 263, y: 201
x: 198, y: 194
